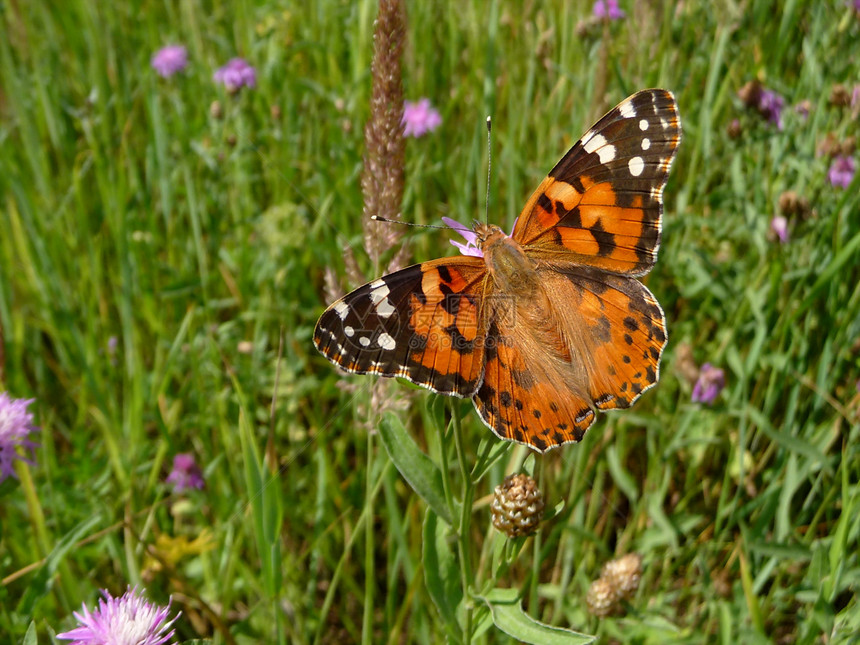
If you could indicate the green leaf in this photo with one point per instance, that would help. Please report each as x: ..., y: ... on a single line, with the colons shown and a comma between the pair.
x: 416, y: 467
x: 30, y: 637
x: 263, y: 491
x: 623, y: 479
x: 441, y: 572
x: 508, y: 615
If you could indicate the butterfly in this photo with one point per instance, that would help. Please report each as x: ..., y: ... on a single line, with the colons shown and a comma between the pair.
x: 547, y: 326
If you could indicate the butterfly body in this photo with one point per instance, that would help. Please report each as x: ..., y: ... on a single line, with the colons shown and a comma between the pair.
x: 547, y: 326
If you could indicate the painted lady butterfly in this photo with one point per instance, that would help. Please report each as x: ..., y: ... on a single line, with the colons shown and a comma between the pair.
x: 546, y: 326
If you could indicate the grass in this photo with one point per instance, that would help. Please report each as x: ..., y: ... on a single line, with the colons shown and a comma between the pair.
x: 131, y: 210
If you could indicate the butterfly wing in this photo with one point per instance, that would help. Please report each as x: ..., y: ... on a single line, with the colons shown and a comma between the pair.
x: 590, y: 340
x: 602, y: 204
x: 421, y: 323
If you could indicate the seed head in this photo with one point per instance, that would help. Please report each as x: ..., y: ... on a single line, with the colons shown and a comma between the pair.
x: 517, y: 506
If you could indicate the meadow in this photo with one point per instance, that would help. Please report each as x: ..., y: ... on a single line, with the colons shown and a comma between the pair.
x: 168, y: 242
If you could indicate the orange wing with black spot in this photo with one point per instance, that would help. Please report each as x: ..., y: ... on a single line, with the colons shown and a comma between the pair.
x: 421, y: 323
x: 602, y: 204
x: 590, y: 341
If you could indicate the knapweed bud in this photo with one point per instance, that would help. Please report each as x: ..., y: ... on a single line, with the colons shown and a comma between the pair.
x: 517, y: 506
x: 601, y: 600
x: 623, y: 574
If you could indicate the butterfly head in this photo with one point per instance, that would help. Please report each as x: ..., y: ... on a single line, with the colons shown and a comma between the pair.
x: 486, y: 232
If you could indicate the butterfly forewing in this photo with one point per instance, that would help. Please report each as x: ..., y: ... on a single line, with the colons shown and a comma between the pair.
x: 602, y: 204
x: 420, y: 323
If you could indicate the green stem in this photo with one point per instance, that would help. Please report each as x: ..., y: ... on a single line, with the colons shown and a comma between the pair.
x: 463, y: 543
x: 369, y: 579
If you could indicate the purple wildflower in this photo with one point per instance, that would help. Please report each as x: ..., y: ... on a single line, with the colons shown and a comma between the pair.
x: 185, y: 474
x: 419, y: 118
x: 855, y: 96
x: 15, y: 424
x: 710, y: 383
x: 169, y: 60
x: 608, y: 9
x: 842, y: 171
x: 779, y: 227
x: 128, y: 620
x: 470, y: 247
x: 236, y: 73
x: 770, y: 105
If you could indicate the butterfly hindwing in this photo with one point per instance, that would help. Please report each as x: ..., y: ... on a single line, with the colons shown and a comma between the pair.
x: 531, y: 394
x: 619, y: 328
x: 420, y: 323
x: 602, y: 204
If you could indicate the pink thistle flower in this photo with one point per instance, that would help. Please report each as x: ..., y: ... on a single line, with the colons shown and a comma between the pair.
x: 236, y: 74
x: 471, y: 246
x: 710, y: 383
x: 15, y: 425
x: 185, y: 474
x: 608, y: 9
x: 842, y: 171
x: 779, y: 227
x: 419, y: 118
x: 169, y: 60
x: 771, y: 105
x: 128, y: 620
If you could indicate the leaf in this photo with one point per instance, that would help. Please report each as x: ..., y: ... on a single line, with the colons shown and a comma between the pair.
x: 442, y: 573
x: 265, y: 500
x: 30, y: 637
x: 508, y: 615
x: 416, y: 467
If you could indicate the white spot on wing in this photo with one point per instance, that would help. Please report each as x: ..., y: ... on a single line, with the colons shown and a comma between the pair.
x: 636, y: 166
x: 341, y: 309
x: 386, y: 342
x: 364, y: 341
x: 378, y: 291
x: 349, y: 331
x: 598, y: 144
x: 586, y: 137
x: 385, y: 308
x: 627, y: 110
x: 643, y: 124
x: 646, y: 143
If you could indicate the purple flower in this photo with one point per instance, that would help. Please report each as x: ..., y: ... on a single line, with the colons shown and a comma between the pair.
x: 419, y: 118
x: 770, y: 104
x: 470, y: 247
x: 236, y: 73
x: 842, y: 171
x: 185, y: 474
x: 15, y: 424
x: 779, y: 227
x: 128, y: 620
x: 710, y: 383
x: 855, y: 95
x: 169, y: 60
x: 608, y: 9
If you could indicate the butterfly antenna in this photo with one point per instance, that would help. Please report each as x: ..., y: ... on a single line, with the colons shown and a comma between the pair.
x: 489, y: 166
x: 377, y: 218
